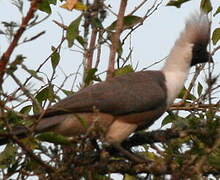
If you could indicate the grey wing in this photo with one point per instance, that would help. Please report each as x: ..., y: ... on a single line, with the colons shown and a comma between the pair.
x: 134, y: 92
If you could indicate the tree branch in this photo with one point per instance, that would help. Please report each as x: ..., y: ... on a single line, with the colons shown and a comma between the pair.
x: 7, y: 54
x: 115, y: 39
x: 141, y: 138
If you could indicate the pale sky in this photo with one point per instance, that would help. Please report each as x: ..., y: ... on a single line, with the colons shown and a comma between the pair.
x: 150, y: 43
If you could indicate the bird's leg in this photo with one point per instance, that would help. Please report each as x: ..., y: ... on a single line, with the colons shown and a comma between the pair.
x: 118, y: 132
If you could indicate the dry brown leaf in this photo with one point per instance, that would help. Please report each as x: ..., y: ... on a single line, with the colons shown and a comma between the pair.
x: 69, y: 4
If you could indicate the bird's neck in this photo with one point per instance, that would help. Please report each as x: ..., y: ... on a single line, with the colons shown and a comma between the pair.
x: 176, y: 69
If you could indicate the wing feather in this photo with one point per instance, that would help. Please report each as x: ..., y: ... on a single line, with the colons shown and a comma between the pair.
x: 125, y: 94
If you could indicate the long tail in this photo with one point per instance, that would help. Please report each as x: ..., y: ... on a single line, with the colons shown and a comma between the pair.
x: 65, y: 124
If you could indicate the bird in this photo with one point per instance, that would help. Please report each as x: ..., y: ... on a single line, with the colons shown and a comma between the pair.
x: 133, y: 101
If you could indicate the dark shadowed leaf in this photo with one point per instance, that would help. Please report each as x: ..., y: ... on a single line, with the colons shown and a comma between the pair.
x: 26, y: 109
x: 177, y: 3
x: 97, y: 23
x: 81, y: 41
x: 129, y: 22
x: 216, y: 36
x: 7, y: 156
x: 32, y: 72
x: 54, y: 138
x: 12, y: 117
x: 42, y: 95
x: 55, y: 59
x: 214, y: 158
x: 46, y: 94
x: 124, y: 70
x: 169, y: 119
x: 36, y: 109
x: 183, y: 92
x: 199, y: 88
x: 68, y: 93
x: 44, y: 6
x: 18, y: 61
x: 217, y: 11
x: 30, y: 142
x: 73, y: 31
x: 54, y: 2
x: 206, y: 6
x: 90, y: 76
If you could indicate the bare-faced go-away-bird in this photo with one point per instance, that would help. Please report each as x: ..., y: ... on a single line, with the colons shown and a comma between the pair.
x: 132, y: 101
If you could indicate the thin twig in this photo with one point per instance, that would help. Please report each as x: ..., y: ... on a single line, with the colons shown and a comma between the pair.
x: 192, y: 83
x: 99, y: 49
x: 215, y: 50
x: 90, y: 51
x: 195, y: 107
x: 149, y: 12
x: 138, y: 7
x: 7, y: 54
x: 26, y: 91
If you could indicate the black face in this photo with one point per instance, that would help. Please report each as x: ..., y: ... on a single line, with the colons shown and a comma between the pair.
x: 200, y: 54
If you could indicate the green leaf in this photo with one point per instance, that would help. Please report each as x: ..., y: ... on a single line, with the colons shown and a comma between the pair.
x: 13, y: 117
x: 54, y: 2
x: 81, y: 41
x: 216, y: 36
x: 7, y: 157
x: 26, y: 109
x: 42, y: 95
x: 73, y: 31
x: 177, y: 3
x: 32, y: 72
x: 53, y: 138
x: 129, y: 22
x: 199, y: 88
x: 90, y: 76
x: 214, y: 158
x: 129, y: 177
x: 97, y: 23
x: 30, y: 142
x: 168, y: 119
x: 217, y: 11
x: 183, y: 92
x: 36, y: 109
x: 46, y: 94
x: 44, y: 6
x: 55, y: 59
x: 68, y: 93
x: 206, y: 6
x: 18, y: 61
x: 124, y: 70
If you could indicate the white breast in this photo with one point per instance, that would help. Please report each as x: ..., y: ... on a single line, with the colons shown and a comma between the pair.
x: 174, y: 82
